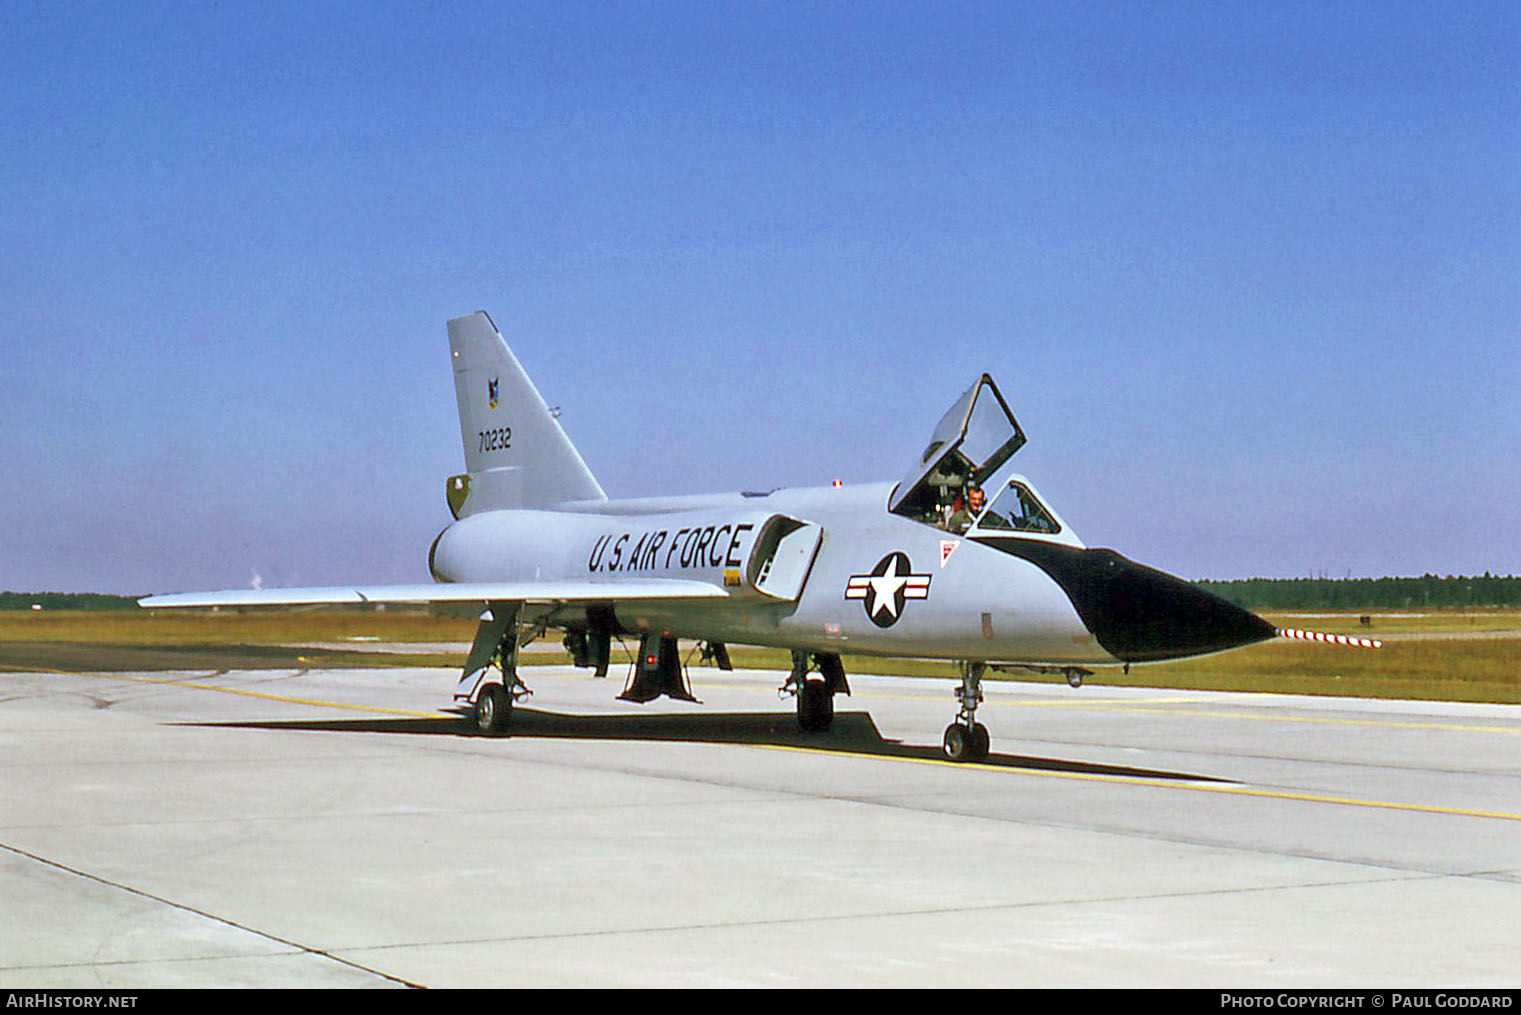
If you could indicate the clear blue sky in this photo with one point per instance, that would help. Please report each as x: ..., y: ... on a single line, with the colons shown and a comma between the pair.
x: 1250, y: 274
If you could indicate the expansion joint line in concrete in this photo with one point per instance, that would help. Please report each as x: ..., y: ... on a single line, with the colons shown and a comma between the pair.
x: 305, y: 949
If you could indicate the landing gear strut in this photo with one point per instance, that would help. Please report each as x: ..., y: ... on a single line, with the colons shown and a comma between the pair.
x: 966, y: 739
x: 716, y: 653
x: 592, y: 647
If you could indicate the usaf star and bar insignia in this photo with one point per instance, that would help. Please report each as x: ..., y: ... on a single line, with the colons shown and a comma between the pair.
x: 889, y: 586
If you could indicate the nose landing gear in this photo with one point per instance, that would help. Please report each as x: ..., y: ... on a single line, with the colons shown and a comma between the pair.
x: 966, y: 739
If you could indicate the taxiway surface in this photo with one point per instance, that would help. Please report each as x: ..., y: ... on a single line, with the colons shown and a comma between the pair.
x: 332, y: 828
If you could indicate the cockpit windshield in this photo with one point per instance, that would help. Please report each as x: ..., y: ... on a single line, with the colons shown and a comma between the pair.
x: 1017, y: 510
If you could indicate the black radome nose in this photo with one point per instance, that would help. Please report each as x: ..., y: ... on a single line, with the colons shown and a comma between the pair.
x: 1140, y: 614
x: 1137, y: 613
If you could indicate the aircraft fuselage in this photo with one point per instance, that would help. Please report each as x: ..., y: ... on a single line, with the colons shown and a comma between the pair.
x: 874, y: 583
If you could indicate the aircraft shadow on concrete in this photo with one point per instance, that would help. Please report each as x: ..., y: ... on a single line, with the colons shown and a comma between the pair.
x: 852, y: 733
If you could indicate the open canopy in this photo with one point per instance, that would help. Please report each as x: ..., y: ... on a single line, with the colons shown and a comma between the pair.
x: 972, y: 441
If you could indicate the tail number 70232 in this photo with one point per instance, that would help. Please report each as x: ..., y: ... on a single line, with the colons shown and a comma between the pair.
x: 496, y: 440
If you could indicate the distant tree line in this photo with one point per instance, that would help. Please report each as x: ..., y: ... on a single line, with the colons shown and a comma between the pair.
x: 65, y: 601
x: 1429, y: 590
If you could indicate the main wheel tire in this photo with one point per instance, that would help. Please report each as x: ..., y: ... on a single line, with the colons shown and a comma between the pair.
x: 493, y: 708
x: 966, y: 743
x: 982, y: 743
x: 959, y: 742
x: 815, y: 707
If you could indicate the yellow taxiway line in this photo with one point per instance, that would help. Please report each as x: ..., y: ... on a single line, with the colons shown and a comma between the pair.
x: 1127, y: 780
x: 1321, y: 720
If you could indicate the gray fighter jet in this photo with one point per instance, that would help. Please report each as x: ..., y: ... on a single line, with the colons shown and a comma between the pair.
x: 959, y: 560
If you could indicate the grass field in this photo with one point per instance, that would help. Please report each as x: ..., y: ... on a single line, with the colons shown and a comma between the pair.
x: 1436, y: 654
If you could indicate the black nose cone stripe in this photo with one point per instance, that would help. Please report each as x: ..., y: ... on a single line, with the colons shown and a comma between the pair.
x: 1137, y: 613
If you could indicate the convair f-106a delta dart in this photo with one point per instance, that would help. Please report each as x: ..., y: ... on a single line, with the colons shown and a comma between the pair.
x: 959, y: 560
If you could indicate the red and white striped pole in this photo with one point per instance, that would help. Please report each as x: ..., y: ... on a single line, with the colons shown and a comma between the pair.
x: 1334, y: 639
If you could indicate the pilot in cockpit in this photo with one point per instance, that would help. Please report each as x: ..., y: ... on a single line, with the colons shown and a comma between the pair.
x: 975, y: 500
x: 965, y: 509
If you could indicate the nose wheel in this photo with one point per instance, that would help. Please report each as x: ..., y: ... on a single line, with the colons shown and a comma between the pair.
x: 966, y: 739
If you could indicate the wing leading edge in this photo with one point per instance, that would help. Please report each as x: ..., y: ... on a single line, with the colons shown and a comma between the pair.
x: 446, y: 592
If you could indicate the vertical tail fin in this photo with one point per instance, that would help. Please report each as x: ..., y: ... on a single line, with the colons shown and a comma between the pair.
x: 516, y: 454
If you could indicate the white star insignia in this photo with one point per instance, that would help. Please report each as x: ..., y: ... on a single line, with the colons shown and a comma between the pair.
x: 890, y: 581
x: 884, y: 590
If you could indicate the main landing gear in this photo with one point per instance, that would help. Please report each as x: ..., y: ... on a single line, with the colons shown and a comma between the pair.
x: 815, y: 694
x: 489, y: 699
x: 966, y: 739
